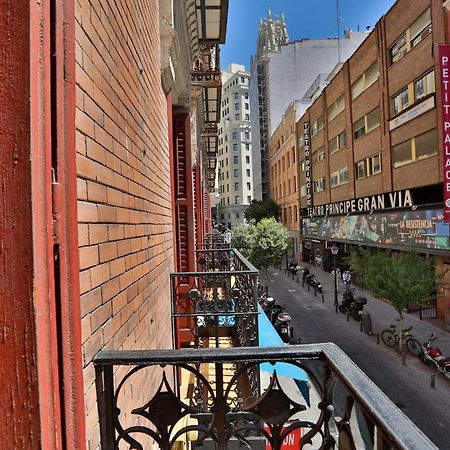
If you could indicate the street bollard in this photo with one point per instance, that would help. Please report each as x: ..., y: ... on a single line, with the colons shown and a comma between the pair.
x: 348, y: 316
x: 404, y: 358
x: 315, y: 292
x: 297, y: 280
x: 323, y: 298
x: 299, y: 340
x: 361, y: 326
x: 378, y: 338
x: 433, y: 381
x: 308, y: 287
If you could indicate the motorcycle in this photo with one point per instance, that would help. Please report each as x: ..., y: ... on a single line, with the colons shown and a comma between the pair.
x: 315, y: 284
x: 281, y: 322
x: 306, y: 273
x: 351, y: 305
x: 293, y: 267
x: 267, y: 302
x: 433, y: 356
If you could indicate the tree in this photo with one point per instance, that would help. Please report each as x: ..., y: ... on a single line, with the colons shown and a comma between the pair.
x: 400, y: 278
x: 268, y: 241
x: 240, y: 237
x: 259, y: 210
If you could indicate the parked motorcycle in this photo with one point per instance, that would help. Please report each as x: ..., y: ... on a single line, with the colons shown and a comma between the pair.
x: 434, y: 357
x: 293, y: 267
x: 351, y: 305
x: 306, y: 273
x: 281, y: 322
x: 266, y: 302
x: 315, y: 284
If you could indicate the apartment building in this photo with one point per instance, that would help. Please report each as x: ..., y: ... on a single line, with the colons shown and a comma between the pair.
x: 282, y: 72
x: 235, y: 177
x: 370, y: 148
x: 283, y: 174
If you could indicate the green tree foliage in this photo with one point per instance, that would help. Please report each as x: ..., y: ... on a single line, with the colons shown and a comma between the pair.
x: 240, y: 237
x: 400, y: 278
x: 268, y: 241
x: 259, y: 210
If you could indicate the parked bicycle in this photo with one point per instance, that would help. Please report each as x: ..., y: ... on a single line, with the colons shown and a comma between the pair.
x: 391, y: 337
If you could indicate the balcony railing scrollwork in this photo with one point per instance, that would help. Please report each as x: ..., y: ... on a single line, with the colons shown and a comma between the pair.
x: 206, y: 67
x: 347, y: 411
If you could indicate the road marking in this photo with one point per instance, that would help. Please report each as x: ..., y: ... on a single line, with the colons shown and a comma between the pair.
x: 291, y: 290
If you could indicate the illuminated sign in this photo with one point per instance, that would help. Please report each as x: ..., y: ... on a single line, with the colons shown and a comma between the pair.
x: 308, y: 175
x: 397, y: 199
x: 444, y: 67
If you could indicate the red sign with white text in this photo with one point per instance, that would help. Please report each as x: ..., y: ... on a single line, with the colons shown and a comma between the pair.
x: 290, y: 442
x: 444, y: 69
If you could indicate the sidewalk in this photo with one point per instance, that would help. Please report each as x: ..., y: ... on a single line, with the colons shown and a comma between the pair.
x: 383, y: 314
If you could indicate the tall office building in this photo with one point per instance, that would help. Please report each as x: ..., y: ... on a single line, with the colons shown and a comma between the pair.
x: 235, y: 149
x: 281, y: 73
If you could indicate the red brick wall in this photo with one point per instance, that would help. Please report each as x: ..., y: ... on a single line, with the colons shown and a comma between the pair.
x: 124, y: 198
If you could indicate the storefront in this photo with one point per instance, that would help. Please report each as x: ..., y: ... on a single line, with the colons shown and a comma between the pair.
x: 405, y: 228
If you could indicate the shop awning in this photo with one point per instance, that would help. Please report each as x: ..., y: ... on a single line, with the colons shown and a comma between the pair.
x: 268, y: 337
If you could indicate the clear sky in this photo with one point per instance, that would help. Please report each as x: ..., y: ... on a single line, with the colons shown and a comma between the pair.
x: 304, y: 19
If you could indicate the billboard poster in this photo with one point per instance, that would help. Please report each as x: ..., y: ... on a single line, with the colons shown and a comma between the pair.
x: 444, y: 68
x: 308, y: 174
x: 420, y: 229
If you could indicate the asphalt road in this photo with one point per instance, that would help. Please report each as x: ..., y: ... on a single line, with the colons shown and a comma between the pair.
x: 408, y: 385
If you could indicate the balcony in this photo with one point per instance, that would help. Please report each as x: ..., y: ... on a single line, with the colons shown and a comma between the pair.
x: 203, y: 399
x: 206, y: 67
x: 219, y: 390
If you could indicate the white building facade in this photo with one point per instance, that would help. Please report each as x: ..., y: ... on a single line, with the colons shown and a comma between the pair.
x: 235, y: 173
x: 281, y: 73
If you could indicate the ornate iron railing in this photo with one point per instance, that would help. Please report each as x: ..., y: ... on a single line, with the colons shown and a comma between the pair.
x: 206, y: 67
x: 348, y: 411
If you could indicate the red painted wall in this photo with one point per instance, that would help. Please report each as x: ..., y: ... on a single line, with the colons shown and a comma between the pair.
x: 19, y: 393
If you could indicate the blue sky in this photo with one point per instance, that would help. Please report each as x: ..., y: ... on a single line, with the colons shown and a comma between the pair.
x: 304, y: 19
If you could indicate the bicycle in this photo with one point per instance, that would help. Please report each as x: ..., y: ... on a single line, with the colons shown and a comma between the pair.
x: 391, y: 338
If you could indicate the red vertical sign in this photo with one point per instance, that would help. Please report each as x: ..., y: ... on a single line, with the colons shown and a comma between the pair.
x: 444, y: 68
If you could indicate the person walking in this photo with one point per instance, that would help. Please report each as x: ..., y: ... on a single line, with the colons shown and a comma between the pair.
x: 347, y: 278
x: 338, y: 275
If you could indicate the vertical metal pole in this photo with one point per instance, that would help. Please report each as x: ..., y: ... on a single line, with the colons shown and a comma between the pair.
x: 335, y: 285
x: 220, y: 408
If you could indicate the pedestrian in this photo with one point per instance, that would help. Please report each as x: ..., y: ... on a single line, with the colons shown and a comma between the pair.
x: 336, y: 273
x: 347, y: 278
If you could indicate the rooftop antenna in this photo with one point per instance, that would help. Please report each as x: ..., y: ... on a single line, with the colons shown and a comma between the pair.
x: 338, y: 20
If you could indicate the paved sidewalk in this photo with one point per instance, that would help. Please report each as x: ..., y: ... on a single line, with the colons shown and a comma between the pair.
x: 383, y: 314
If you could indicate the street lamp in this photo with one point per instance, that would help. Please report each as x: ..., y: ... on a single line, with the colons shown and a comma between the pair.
x: 334, y: 251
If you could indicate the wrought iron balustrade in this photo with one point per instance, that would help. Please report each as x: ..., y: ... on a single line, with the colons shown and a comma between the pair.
x: 206, y: 67
x: 218, y: 301
x: 348, y: 411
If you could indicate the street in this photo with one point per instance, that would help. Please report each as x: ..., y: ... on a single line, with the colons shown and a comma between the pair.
x: 408, y: 386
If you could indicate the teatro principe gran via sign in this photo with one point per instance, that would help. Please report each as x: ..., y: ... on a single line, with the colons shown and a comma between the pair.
x: 372, y: 203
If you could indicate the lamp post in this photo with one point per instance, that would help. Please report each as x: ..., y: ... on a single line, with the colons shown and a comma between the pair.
x: 334, y: 251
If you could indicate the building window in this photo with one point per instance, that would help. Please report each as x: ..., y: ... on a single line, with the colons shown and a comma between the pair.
x: 249, y: 186
x: 367, y: 123
x: 236, y: 159
x: 247, y: 117
x: 236, y: 186
x: 416, y: 90
x: 236, y: 95
x: 235, y: 147
x: 319, y: 185
x: 247, y: 146
x: 236, y: 106
x: 339, y: 177
x: 317, y: 126
x: 242, y: 80
x: 237, y: 117
x: 337, y: 107
x: 246, y: 106
x: 365, y: 81
x: 293, y: 155
x: 236, y: 200
x: 247, y: 159
x: 246, y: 95
x: 247, y: 172
x: 411, y: 37
x: 236, y: 173
x: 249, y: 199
x: 303, y: 191
x: 235, y: 135
x: 246, y: 134
x: 320, y: 154
x: 414, y: 149
x: 301, y: 141
x: 337, y: 142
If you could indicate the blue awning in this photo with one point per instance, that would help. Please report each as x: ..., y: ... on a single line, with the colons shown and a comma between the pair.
x: 268, y: 337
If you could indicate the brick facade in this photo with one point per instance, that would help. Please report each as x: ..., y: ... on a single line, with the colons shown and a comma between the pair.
x: 124, y: 193
x: 393, y: 75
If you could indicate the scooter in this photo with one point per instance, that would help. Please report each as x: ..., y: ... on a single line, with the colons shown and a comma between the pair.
x: 293, y: 267
x: 281, y: 322
x: 315, y: 284
x: 433, y: 356
x: 267, y: 302
x: 306, y: 273
x: 352, y: 306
